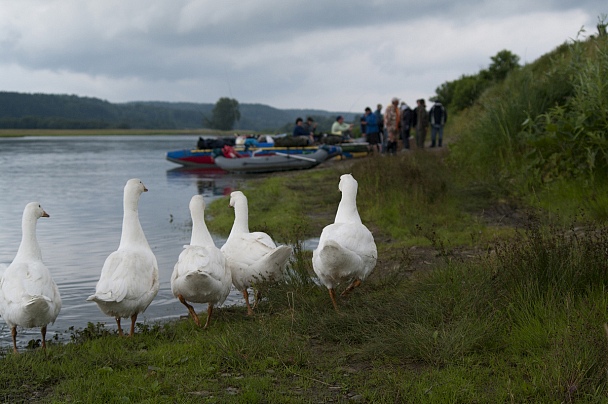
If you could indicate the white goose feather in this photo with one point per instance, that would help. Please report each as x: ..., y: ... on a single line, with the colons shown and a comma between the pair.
x: 28, y: 295
x: 200, y: 274
x: 129, y: 277
x: 251, y: 257
x: 346, y: 251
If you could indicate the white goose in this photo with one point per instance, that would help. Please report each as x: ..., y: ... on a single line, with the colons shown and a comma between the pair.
x: 251, y: 257
x: 200, y: 274
x: 346, y: 250
x: 129, y: 277
x: 28, y: 295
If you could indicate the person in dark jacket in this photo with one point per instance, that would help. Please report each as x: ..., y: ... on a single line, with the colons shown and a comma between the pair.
x: 406, y: 124
x: 438, y: 116
x: 299, y: 130
x: 422, y: 123
x: 372, y: 132
x: 380, y: 121
x: 310, y: 126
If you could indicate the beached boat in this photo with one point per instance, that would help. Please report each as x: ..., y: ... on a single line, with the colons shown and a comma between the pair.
x: 354, y: 150
x: 205, y: 158
x: 278, y: 161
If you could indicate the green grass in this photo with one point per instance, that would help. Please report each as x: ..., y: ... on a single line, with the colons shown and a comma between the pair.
x: 491, y: 281
x: 521, y: 320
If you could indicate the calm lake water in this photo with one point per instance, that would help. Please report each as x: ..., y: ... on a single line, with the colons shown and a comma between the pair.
x: 79, y: 182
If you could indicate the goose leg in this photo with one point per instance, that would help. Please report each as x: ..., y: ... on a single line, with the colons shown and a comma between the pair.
x: 350, y: 288
x: 120, y: 333
x: 246, y: 296
x: 258, y: 296
x: 133, y: 320
x: 14, y: 335
x: 43, y: 332
x: 190, y: 309
x: 332, y: 294
x: 209, y: 312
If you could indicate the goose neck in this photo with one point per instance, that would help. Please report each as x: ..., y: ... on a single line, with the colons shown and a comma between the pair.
x: 29, y: 246
x: 132, y: 233
x: 347, y: 210
x: 241, y: 218
x: 200, y: 232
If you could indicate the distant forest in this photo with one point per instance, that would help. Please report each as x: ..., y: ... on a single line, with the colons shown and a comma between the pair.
x: 49, y: 111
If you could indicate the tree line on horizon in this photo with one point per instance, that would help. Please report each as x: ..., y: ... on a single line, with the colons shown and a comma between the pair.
x: 48, y: 111
x: 59, y: 111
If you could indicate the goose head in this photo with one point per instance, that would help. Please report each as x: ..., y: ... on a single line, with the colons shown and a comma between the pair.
x: 133, y: 190
x: 237, y: 197
x: 34, y: 210
x: 134, y: 185
x: 197, y: 203
x: 348, y: 184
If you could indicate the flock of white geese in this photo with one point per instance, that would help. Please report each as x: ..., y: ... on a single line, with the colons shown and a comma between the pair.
x: 203, y: 273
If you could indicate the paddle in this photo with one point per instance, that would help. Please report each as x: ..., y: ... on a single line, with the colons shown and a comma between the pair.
x: 295, y: 156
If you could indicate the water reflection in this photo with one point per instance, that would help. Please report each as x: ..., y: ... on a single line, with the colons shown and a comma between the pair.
x: 208, y: 181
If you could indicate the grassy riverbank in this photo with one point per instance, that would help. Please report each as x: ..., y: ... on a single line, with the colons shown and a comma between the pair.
x: 454, y: 312
x: 490, y: 284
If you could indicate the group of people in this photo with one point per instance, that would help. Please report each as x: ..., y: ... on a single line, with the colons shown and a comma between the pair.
x: 340, y: 131
x: 383, y: 131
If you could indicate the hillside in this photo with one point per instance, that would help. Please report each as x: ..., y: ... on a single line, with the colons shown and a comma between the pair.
x: 53, y: 111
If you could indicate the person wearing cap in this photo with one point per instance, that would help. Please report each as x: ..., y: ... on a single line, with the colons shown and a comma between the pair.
x: 392, y: 122
x: 341, y: 128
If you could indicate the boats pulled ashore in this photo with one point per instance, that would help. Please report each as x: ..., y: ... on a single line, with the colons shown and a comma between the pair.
x: 205, y: 157
x: 278, y: 161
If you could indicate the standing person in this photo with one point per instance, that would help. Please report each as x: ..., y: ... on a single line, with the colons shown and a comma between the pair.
x: 372, y: 132
x: 438, y: 116
x: 406, y: 124
x: 380, y: 121
x: 392, y: 121
x: 299, y: 130
x: 422, y: 123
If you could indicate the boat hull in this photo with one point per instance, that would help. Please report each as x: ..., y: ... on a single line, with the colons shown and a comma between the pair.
x: 205, y: 158
x: 277, y: 162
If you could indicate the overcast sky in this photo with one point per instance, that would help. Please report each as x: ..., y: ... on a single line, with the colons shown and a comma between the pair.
x: 322, y: 54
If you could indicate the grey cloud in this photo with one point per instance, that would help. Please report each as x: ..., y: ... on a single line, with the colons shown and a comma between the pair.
x: 262, y: 50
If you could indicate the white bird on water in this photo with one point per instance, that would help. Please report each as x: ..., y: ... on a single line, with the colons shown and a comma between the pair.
x: 129, y: 277
x: 200, y: 274
x: 346, y: 251
x: 28, y: 295
x: 251, y: 257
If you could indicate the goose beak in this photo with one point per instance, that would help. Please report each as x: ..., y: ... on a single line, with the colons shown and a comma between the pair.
x: 44, y: 214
